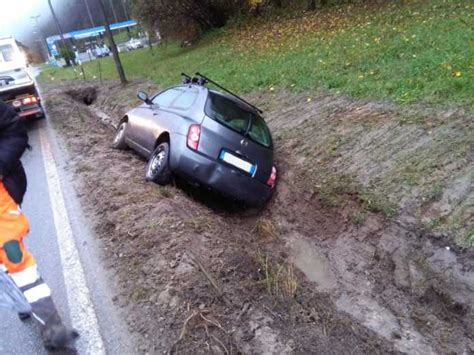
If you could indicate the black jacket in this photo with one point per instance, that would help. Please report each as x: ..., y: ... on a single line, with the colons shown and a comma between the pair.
x: 13, y: 142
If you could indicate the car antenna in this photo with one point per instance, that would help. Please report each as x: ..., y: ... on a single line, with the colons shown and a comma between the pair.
x: 228, y: 91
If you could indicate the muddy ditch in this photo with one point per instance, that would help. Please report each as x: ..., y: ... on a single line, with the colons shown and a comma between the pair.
x: 341, y: 260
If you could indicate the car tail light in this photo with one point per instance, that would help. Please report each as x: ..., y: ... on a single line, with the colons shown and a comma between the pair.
x: 273, y: 177
x: 29, y: 100
x: 194, y: 134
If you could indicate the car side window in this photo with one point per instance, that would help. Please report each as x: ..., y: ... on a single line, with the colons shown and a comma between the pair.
x: 166, y: 98
x: 177, y: 98
x: 6, y: 53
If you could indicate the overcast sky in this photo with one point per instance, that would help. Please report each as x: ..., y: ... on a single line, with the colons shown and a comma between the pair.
x: 15, y: 17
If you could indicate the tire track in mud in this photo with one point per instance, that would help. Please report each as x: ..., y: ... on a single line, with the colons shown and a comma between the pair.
x: 384, y: 288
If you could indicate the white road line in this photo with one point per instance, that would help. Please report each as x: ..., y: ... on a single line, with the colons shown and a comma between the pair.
x: 82, y: 311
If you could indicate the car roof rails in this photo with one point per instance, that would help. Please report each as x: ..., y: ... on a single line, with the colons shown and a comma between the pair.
x: 206, y: 79
x: 186, y: 78
x: 203, y: 80
x: 189, y: 80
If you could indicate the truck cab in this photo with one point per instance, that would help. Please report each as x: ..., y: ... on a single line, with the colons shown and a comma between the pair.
x: 17, y: 87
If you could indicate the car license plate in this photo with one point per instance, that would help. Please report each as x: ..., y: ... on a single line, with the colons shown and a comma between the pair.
x: 237, y: 162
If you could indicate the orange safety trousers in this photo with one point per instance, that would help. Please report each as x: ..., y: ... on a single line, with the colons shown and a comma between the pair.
x: 13, y: 227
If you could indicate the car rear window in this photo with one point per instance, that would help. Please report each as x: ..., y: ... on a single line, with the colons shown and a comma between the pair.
x: 237, y: 118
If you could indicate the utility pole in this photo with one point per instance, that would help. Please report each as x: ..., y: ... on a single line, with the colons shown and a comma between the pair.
x: 89, y: 13
x: 115, y: 53
x: 42, y: 40
x: 63, y: 41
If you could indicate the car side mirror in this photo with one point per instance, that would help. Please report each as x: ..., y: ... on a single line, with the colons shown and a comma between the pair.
x: 144, y: 97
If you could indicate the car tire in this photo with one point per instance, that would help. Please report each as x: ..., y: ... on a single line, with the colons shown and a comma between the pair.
x: 119, y: 139
x: 158, y: 167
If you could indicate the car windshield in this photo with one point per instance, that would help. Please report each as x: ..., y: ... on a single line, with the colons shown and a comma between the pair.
x: 239, y: 119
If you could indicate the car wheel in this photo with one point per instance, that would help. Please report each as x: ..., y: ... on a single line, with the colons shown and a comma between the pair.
x: 119, y: 140
x: 158, y: 167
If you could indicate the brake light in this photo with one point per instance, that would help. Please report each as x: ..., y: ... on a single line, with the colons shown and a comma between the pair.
x: 29, y: 100
x: 194, y: 134
x: 273, y: 177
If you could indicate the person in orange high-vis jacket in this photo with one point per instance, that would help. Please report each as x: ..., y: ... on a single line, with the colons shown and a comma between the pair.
x: 13, y: 227
x: 14, y: 257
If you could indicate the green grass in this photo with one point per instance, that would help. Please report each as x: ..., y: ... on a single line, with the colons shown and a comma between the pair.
x: 422, y: 52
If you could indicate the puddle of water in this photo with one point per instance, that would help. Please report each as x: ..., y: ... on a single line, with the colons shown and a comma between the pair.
x: 373, y: 316
x: 313, y: 264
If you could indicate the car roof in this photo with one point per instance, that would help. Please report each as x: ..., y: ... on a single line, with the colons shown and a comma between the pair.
x: 203, y: 88
x: 223, y: 94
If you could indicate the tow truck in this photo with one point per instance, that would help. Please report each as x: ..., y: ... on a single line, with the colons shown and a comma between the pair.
x: 17, y: 87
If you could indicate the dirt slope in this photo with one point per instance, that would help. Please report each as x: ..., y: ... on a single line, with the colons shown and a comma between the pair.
x: 345, y: 258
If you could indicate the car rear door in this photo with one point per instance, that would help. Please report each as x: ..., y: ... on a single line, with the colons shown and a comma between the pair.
x: 224, y: 138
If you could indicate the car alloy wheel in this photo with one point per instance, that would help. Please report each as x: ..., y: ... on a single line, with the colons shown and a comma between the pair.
x: 158, y: 169
x: 119, y: 139
x: 156, y: 162
x: 120, y: 133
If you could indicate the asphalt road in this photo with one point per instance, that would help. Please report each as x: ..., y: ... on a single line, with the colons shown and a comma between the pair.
x: 100, y: 323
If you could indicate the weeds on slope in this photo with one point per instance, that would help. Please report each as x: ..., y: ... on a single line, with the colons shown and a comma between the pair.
x: 418, y: 52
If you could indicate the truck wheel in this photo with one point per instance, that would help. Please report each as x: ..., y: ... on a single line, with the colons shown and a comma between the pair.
x: 158, y: 167
x: 43, y: 114
x: 119, y: 140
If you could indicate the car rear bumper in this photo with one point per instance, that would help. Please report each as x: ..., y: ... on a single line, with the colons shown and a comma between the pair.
x: 215, y: 175
x: 31, y: 113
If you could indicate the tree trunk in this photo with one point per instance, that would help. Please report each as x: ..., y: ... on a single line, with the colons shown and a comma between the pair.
x: 311, y: 5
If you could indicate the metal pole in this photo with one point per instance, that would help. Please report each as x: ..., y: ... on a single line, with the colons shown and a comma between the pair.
x: 113, y: 11
x: 89, y: 13
x: 115, y: 53
x: 44, y: 44
x: 125, y: 11
x: 61, y: 33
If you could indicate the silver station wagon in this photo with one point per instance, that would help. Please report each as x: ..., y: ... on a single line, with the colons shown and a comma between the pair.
x: 212, y: 138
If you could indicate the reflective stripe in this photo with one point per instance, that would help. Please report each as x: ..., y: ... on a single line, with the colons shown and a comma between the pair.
x: 26, y: 277
x: 37, y: 293
x: 14, y: 212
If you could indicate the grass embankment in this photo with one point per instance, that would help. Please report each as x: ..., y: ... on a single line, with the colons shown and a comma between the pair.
x: 420, y: 52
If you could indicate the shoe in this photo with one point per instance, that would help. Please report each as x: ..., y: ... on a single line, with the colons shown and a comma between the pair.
x: 57, y: 336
